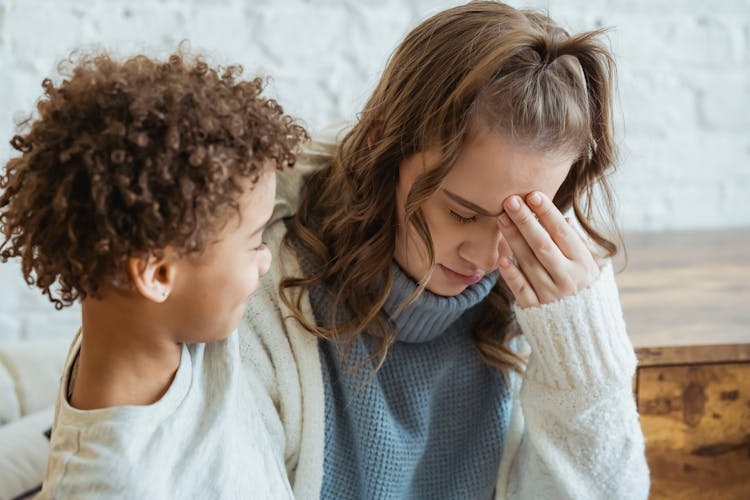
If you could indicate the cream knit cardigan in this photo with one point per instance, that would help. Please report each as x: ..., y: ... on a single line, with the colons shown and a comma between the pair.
x: 574, y: 429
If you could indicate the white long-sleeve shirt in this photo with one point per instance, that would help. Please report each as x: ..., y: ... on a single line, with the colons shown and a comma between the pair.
x: 203, y: 439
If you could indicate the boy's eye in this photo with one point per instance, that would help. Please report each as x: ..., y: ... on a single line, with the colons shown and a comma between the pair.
x: 462, y: 220
x: 260, y: 247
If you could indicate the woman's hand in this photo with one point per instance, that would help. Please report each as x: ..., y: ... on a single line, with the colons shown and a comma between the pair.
x: 552, y: 260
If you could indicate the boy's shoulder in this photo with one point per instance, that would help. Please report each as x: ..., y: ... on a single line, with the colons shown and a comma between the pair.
x: 132, y: 450
x: 315, y: 154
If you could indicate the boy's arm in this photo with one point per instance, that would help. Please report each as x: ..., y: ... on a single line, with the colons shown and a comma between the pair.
x: 581, y: 436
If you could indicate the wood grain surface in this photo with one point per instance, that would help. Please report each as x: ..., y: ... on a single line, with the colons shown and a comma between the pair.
x: 687, y: 288
x: 686, y: 300
x: 696, y: 420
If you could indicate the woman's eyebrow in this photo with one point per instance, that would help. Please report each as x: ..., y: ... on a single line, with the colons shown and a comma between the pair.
x: 470, y: 205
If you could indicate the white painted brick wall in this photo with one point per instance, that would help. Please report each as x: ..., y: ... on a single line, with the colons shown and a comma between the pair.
x: 683, y: 102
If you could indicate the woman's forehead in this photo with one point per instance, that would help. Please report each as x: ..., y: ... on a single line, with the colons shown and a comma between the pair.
x: 491, y: 168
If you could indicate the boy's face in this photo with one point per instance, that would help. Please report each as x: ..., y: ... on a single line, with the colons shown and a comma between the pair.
x: 211, y: 290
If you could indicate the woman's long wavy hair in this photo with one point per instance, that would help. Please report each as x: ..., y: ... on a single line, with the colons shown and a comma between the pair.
x: 481, y: 64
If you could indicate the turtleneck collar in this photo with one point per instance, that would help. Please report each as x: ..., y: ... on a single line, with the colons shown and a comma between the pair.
x: 430, y: 315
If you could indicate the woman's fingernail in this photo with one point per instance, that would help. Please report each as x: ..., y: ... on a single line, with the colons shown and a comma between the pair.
x: 535, y: 199
x: 514, y: 203
x: 504, y: 262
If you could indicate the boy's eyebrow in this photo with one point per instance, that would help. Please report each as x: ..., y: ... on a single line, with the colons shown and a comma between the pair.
x: 262, y: 227
x: 470, y: 205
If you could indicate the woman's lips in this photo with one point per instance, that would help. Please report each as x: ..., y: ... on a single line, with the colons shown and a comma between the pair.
x: 464, y: 279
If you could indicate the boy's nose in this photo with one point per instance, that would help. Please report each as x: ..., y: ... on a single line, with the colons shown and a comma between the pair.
x: 265, y: 262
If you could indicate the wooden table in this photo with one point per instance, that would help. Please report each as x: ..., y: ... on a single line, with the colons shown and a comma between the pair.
x: 686, y: 298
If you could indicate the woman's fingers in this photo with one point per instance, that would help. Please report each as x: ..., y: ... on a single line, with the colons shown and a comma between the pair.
x: 517, y: 283
x: 525, y: 234
x: 527, y: 262
x: 552, y: 257
x: 582, y: 265
x: 555, y: 225
x: 536, y: 236
x: 504, y: 250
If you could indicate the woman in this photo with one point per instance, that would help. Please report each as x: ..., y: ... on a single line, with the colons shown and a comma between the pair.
x: 424, y: 254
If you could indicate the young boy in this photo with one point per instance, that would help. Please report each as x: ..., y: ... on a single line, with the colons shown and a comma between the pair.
x: 142, y: 190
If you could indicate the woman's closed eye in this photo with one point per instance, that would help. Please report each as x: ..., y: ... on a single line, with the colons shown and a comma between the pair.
x: 461, y: 219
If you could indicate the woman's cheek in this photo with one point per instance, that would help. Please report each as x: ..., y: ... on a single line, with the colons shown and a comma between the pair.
x: 440, y: 229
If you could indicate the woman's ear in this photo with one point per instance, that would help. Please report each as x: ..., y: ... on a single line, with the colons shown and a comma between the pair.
x: 154, y: 276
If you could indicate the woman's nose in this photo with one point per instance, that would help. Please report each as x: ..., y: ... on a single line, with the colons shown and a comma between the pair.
x: 482, y: 249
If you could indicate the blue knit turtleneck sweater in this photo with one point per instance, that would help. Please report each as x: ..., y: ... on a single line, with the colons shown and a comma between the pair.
x: 430, y: 423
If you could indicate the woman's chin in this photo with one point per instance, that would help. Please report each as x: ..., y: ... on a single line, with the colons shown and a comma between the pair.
x: 444, y: 288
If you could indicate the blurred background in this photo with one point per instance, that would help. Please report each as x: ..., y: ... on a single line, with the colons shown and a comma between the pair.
x: 683, y: 101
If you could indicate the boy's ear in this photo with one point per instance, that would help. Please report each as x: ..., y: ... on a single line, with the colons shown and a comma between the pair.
x: 154, y: 276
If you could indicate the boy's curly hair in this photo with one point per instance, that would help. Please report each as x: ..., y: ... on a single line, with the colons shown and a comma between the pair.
x: 129, y: 157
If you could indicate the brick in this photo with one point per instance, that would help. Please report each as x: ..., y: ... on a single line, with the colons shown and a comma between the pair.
x: 673, y: 41
x: 655, y: 100
x: 692, y: 7
x: 675, y: 206
x: 3, y: 28
x: 224, y: 34
x: 35, y: 31
x: 724, y: 101
x: 683, y: 90
x: 684, y: 180
x: 735, y: 204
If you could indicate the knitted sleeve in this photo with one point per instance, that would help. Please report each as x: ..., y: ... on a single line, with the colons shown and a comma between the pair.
x: 281, y: 364
x: 578, y: 435
x: 280, y: 358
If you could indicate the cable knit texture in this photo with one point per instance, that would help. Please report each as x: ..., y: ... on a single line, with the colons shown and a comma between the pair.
x: 573, y: 430
x: 430, y: 423
x: 560, y: 335
x: 577, y: 398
